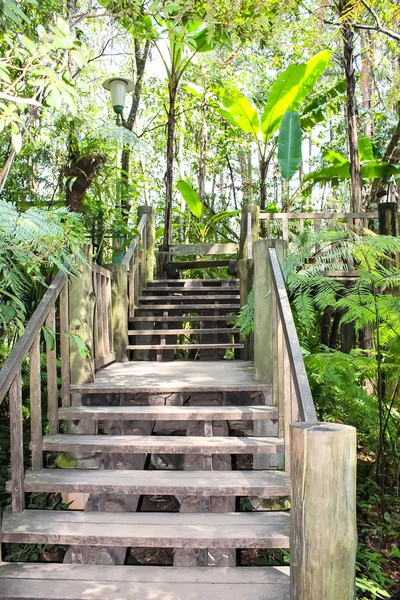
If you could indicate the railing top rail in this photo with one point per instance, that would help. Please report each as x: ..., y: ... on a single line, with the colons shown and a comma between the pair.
x: 300, y: 379
x: 132, y: 246
x: 13, y: 364
x: 319, y: 216
x: 204, y: 249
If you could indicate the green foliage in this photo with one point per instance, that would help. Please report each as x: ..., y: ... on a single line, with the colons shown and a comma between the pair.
x: 33, y: 244
x: 191, y: 198
x: 245, y: 320
x: 290, y: 145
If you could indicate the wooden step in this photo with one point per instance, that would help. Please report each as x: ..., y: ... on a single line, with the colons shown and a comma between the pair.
x: 147, y: 444
x: 169, y: 413
x: 179, y: 282
x: 205, y: 331
x: 183, y: 346
x: 230, y: 289
x: 41, y: 581
x: 188, y: 307
x: 230, y: 298
x: 148, y: 530
x: 182, y: 319
x: 168, y: 482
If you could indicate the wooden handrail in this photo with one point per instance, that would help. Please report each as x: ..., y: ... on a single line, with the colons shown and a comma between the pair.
x: 132, y: 246
x: 299, y: 374
x: 203, y: 249
x: 13, y: 364
x: 318, y: 216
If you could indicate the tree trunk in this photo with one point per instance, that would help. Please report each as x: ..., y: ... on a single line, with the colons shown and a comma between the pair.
x: 141, y: 56
x: 203, y: 149
x: 366, y: 84
x: 391, y: 155
x: 352, y: 116
x: 169, y: 174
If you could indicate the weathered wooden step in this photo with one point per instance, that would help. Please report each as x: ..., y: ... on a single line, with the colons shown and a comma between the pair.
x: 147, y: 444
x: 170, y: 483
x: 230, y: 298
x: 182, y: 319
x: 204, y: 282
x: 148, y: 530
x: 205, y: 331
x: 188, y: 307
x: 40, y: 581
x: 169, y: 413
x: 230, y: 289
x: 183, y: 346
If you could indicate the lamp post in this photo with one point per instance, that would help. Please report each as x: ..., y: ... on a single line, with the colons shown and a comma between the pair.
x: 119, y: 87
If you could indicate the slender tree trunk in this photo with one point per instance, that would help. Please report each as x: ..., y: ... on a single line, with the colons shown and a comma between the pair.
x: 391, y: 155
x: 352, y: 116
x: 203, y: 149
x: 141, y: 56
x: 169, y: 174
x: 366, y: 84
x: 263, y: 183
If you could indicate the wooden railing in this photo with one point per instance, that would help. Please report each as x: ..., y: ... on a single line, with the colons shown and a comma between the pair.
x: 29, y: 346
x: 320, y: 457
x: 135, y: 262
x: 296, y: 221
x: 103, y: 333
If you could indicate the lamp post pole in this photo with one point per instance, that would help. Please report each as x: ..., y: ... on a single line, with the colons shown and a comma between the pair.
x: 119, y: 87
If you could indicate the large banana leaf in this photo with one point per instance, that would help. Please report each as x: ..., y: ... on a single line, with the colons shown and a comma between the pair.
x: 289, y: 146
x: 290, y: 89
x: 365, y: 149
x: 241, y: 113
x: 191, y: 198
x: 315, y: 110
x: 371, y: 170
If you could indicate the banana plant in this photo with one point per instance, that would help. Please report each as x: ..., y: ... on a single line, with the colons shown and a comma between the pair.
x: 339, y: 167
x: 201, y: 226
x: 287, y: 93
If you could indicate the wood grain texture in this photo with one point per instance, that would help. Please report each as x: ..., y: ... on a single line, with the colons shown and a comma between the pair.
x: 64, y: 347
x: 92, y: 582
x: 36, y: 405
x: 187, y: 346
x: 323, y: 510
x: 179, y: 282
x: 169, y: 413
x: 226, y: 297
x: 181, y: 319
x: 320, y: 216
x: 203, y: 249
x: 188, y: 307
x: 180, y: 289
x: 163, y: 444
x: 205, y: 331
x: 51, y: 366
x: 16, y: 445
x: 180, y: 483
x: 151, y: 530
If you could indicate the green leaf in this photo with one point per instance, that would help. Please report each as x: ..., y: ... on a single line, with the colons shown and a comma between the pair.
x: 191, y: 198
x: 290, y: 89
x: 315, y: 110
x: 334, y: 157
x: 328, y: 173
x: 376, y: 169
x: 49, y: 337
x: 289, y: 146
x: 241, y: 113
x: 83, y: 350
x: 365, y: 149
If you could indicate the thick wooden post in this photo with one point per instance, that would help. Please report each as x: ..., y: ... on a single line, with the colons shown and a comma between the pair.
x: 263, y: 308
x: 246, y: 275
x: 162, y: 260
x: 120, y: 310
x: 248, y: 230
x: 81, y: 320
x: 388, y: 219
x: 149, y: 238
x: 323, y: 511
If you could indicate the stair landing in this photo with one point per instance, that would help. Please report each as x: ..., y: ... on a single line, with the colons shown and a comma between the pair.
x: 175, y: 376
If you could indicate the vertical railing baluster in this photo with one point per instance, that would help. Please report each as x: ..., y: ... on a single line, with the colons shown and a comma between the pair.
x: 285, y: 229
x: 16, y: 442
x: 100, y: 320
x: 36, y: 405
x: 52, y: 392
x: 64, y: 347
x: 109, y: 311
x: 287, y: 397
x: 96, y: 316
x: 131, y: 286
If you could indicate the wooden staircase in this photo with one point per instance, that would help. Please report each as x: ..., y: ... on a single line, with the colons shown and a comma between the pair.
x: 223, y: 444
x: 168, y: 309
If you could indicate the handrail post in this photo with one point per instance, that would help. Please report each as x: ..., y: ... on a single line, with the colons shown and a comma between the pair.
x: 149, y: 235
x: 263, y: 308
x: 248, y: 230
x: 388, y: 218
x: 81, y: 319
x: 120, y: 309
x: 246, y: 276
x: 323, y: 511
